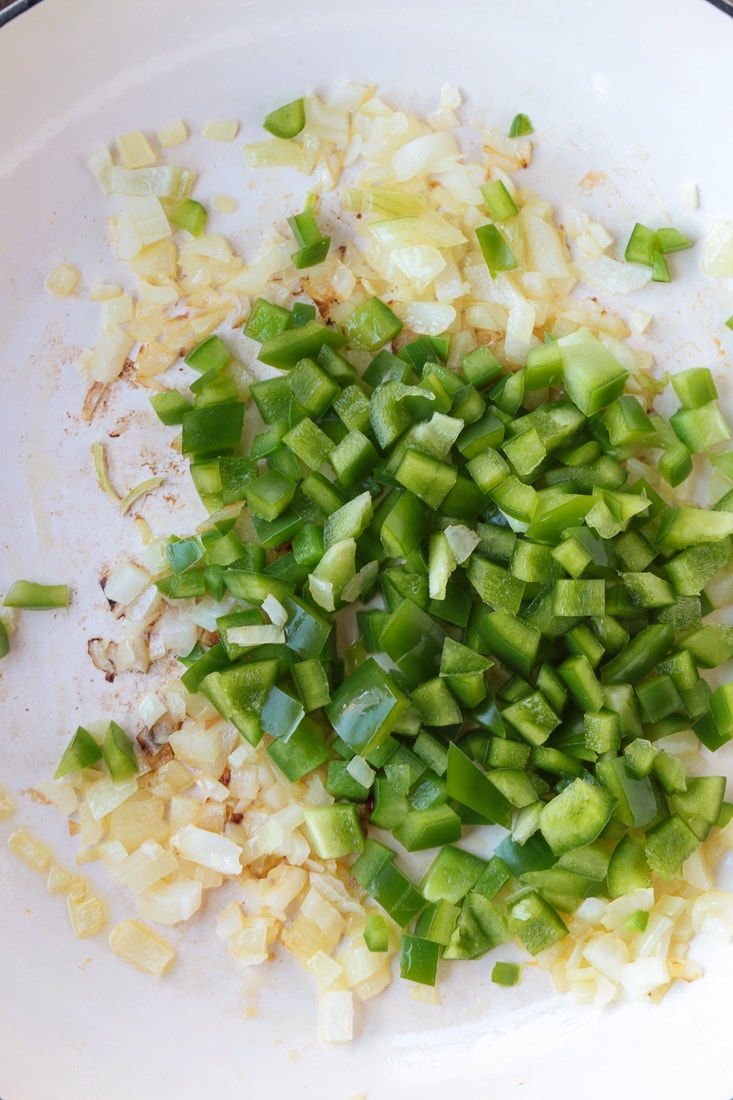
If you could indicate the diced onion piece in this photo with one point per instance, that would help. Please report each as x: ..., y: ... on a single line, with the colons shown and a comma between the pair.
x: 717, y: 257
x: 151, y: 708
x: 178, y: 632
x: 171, y: 902
x: 220, y: 130
x: 145, y: 866
x: 117, y: 311
x: 140, y: 945
x: 200, y: 746
x: 30, y: 849
x: 427, y: 318
x: 135, y: 150
x: 229, y: 921
x: 360, y: 770
x: 208, y: 849
x: 655, y: 938
x: 612, y: 275
x: 690, y: 196
x: 462, y: 541
x: 639, y: 321
x: 166, y: 181
x: 616, y: 912
x: 607, y: 955
x: 274, y: 610
x: 225, y: 204
x: 642, y: 976
x: 324, y: 969
x: 281, y: 886
x: 104, y: 796
x: 172, y: 134
x: 359, y: 964
x: 276, y: 152
x: 88, y: 915
x: 125, y: 582
x: 519, y: 330
x: 254, y: 635
x: 429, y: 153
x: 336, y: 1016
x: 712, y: 913
x: 62, y: 281
x: 100, y: 164
x: 61, y: 795
x: 110, y: 355
x: 62, y: 881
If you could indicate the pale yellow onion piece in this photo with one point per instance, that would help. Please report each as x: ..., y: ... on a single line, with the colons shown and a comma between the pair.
x: 430, y: 153
x: 717, y: 257
x: 88, y: 915
x: 30, y: 849
x: 149, y: 218
x: 263, y: 634
x: 712, y: 913
x: 276, y: 152
x: 249, y: 946
x: 359, y: 964
x: 318, y: 909
x: 281, y: 887
x: 110, y: 355
x: 61, y: 795
x: 171, y: 902
x: 612, y: 275
x: 427, y: 318
x: 62, y: 881
x: 519, y: 331
x: 690, y: 196
x: 424, y: 994
x: 326, y: 971
x: 63, y: 281
x: 140, y: 945
x: 117, y: 310
x: 220, y: 130
x: 132, y: 653
x: 167, y: 181
x: 145, y: 866
x: 200, y: 746
x: 507, y: 153
x: 361, y: 771
x: 173, y: 134
x: 418, y: 264
x: 322, y: 592
x: 125, y: 582
x: 135, y: 150
x: 274, y: 610
x: 361, y: 582
x: 328, y: 122
x: 100, y: 164
x: 225, y: 204
x: 336, y: 1016
x: 208, y: 849
x: 158, y: 261
x: 462, y: 541
x: 395, y: 204
x: 229, y: 921
x: 105, y: 795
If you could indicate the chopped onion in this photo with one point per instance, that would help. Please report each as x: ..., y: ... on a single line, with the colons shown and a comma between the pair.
x: 336, y: 1016
x: 208, y: 849
x: 717, y: 257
